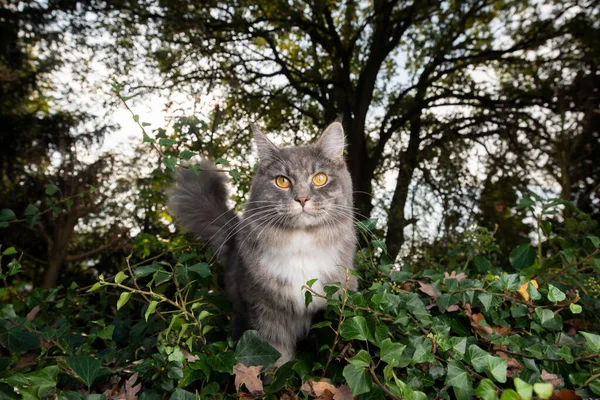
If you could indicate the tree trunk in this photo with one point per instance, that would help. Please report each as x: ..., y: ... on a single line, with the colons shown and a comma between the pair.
x: 361, y: 170
x: 408, y: 163
x: 57, y: 249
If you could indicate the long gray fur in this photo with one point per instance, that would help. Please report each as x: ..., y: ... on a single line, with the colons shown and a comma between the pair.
x: 279, y: 244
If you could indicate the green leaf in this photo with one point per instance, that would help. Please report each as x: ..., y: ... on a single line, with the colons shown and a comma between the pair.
x: 123, y: 299
x: 252, y: 350
x: 482, y: 264
x: 145, y: 270
x: 282, y: 375
x: 486, y: 299
x: 355, y: 328
x: 87, y: 368
x: 510, y: 394
x: 555, y: 294
x: 235, y: 174
x: 307, y: 298
x: 575, y: 308
x: 170, y: 162
x: 486, y: 390
x: 147, y: 139
x: 180, y: 394
x: 120, y: 277
x: 7, y: 215
x: 360, y: 360
x: 202, y: 269
x: 167, y: 142
x: 595, y: 240
x: 595, y: 386
x: 221, y: 161
x: 522, y: 256
x: 458, y: 378
x: 311, y: 282
x: 543, y: 390
x: 95, y: 287
x: 544, y: 315
x: 592, y: 340
x: 533, y: 293
x: 367, y: 225
x: 391, y: 352
x: 359, y: 380
x: 136, y: 118
x: 187, y: 155
x: 51, y: 189
x: 17, y: 341
x: 524, y: 389
x: 525, y: 203
x: 9, y: 251
x: 107, y: 332
x: 31, y: 210
x: 34, y: 385
x: 151, y: 309
x: 222, y: 362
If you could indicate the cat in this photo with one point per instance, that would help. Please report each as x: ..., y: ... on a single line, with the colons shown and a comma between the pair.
x: 296, y: 226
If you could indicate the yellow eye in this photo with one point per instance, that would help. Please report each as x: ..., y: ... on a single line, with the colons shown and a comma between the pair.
x: 319, y: 179
x: 282, y: 182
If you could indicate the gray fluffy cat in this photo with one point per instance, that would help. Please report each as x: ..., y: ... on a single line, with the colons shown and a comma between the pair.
x: 296, y: 226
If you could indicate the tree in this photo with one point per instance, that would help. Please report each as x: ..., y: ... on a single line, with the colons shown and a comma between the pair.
x: 42, y: 175
x: 385, y: 66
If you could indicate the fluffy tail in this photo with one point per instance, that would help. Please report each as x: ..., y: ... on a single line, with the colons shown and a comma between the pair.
x: 199, y: 202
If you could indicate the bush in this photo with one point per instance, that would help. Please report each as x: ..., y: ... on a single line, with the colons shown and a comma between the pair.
x: 159, y: 328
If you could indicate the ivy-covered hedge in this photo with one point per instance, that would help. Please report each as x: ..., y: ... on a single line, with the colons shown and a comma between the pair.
x: 469, y: 324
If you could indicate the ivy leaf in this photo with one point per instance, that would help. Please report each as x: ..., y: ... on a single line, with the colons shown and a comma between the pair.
x: 221, y: 161
x: 359, y: 380
x: 391, y: 352
x: 360, y: 360
x: 524, y: 389
x: 486, y: 390
x: 555, y: 294
x: 34, y: 385
x: 167, y: 142
x: 575, y: 308
x: 522, y: 256
x: 31, y: 210
x: 186, y: 155
x: 592, y: 340
x: 252, y: 350
x: 543, y: 390
x: 486, y: 300
x: 525, y: 202
x: 510, y: 394
x: 595, y: 240
x: 222, y: 361
x: 355, y: 328
x: 202, y: 269
x: 107, y: 332
x: 544, y: 315
x: 170, y: 162
x: 17, y: 341
x: 87, y: 368
x: 459, y: 379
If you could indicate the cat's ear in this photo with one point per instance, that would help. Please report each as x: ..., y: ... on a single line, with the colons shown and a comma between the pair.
x: 264, y: 147
x: 332, y: 142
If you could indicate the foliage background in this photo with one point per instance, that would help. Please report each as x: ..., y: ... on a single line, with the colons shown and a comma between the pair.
x: 473, y: 143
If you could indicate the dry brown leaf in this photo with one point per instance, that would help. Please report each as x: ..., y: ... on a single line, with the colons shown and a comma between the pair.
x: 555, y: 380
x: 248, y: 376
x: 501, y: 330
x: 476, y: 318
x: 285, y: 396
x: 318, y: 389
x: 566, y: 394
x: 454, y: 275
x: 429, y: 290
x: 27, y: 360
x: 31, y: 315
x: 452, y: 308
x: 188, y: 356
x: 343, y: 393
x: 513, y: 366
x: 131, y: 389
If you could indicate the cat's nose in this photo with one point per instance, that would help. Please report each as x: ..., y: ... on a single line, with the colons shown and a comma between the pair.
x: 302, y: 200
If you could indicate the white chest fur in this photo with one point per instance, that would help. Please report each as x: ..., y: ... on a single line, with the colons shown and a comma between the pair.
x: 299, y: 259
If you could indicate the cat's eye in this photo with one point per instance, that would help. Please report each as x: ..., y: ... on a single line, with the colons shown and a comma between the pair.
x: 319, y: 179
x: 282, y: 182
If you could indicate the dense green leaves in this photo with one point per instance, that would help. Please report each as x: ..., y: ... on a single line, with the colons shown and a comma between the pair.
x: 252, y: 349
x: 87, y: 368
x: 522, y: 256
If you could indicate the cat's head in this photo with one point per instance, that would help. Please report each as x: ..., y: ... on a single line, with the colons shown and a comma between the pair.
x: 303, y: 186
